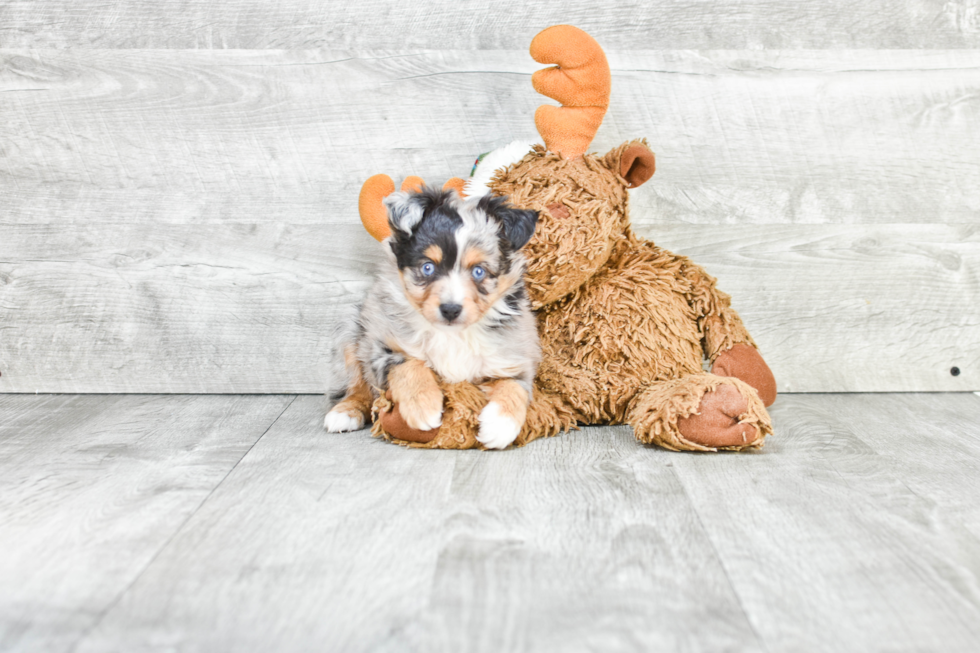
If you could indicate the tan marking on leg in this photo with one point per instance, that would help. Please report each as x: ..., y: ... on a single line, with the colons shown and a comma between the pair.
x: 350, y: 360
x: 359, y: 396
x: 434, y: 254
x: 513, y: 398
x: 416, y: 391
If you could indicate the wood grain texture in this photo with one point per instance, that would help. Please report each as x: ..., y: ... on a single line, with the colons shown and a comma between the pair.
x: 92, y: 488
x: 185, y: 221
x: 175, y: 308
x: 319, y: 538
x: 856, y: 527
x: 504, y: 24
x: 883, y: 308
x: 250, y: 308
x: 359, y: 545
x: 741, y: 136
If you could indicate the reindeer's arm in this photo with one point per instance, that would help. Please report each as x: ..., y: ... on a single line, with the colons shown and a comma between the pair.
x: 726, y: 341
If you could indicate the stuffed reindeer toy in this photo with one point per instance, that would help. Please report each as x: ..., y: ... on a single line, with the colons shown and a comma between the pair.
x: 627, y: 329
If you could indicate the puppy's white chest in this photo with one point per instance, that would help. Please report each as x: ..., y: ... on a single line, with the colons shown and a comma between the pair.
x: 464, y: 356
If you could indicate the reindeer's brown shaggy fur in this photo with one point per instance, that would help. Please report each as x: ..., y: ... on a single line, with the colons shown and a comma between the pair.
x: 619, y: 318
x: 624, y: 325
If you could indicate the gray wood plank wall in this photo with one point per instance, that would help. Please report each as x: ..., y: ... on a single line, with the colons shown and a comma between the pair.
x: 506, y: 24
x: 181, y: 218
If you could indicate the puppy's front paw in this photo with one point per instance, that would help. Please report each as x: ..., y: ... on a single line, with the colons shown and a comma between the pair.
x: 423, y: 411
x: 338, y: 421
x: 497, y: 428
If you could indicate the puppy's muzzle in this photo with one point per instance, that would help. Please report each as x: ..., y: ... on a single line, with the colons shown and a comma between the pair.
x: 450, y: 311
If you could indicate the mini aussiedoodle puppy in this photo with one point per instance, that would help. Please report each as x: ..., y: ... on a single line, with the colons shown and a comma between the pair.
x: 449, y: 301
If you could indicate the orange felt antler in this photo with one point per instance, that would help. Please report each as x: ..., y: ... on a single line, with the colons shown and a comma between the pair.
x: 580, y: 81
x: 374, y: 216
x: 456, y: 184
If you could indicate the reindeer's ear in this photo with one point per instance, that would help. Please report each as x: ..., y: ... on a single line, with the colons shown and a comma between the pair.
x: 633, y: 161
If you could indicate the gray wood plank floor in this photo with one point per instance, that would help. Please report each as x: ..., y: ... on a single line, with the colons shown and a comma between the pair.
x: 219, y: 523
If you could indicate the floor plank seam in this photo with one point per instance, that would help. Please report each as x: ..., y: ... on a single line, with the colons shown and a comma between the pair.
x: 109, y: 608
x: 721, y: 562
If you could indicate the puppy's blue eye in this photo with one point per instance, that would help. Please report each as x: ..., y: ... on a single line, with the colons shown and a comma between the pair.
x: 478, y: 273
x: 428, y: 269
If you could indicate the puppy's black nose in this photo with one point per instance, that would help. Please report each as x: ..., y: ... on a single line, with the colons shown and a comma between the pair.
x: 450, y: 311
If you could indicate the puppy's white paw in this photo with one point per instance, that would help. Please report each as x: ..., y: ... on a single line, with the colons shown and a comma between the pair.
x: 338, y: 421
x: 497, y: 429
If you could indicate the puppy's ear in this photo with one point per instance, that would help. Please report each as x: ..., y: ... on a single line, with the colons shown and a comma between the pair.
x: 404, y: 213
x: 516, y: 225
